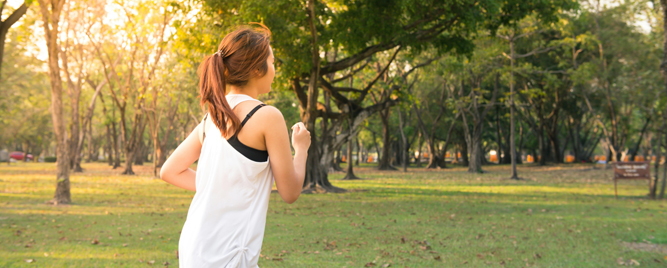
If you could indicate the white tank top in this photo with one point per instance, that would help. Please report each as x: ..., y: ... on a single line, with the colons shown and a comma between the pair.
x: 227, y: 216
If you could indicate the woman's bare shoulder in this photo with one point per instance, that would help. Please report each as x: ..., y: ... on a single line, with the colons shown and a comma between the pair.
x: 270, y: 115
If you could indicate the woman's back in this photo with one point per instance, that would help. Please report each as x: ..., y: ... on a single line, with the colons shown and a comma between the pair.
x: 226, y: 220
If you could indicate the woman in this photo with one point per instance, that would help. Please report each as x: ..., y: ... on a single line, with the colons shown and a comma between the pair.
x: 238, y: 159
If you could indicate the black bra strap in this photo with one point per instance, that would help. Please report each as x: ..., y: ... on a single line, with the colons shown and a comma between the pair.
x: 249, y: 115
x: 242, y: 123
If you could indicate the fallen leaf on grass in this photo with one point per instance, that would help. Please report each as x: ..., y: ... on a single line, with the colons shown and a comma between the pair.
x: 151, y: 262
x: 370, y: 264
x: 29, y: 260
x: 95, y: 242
x: 620, y: 261
x: 277, y: 259
x: 386, y: 265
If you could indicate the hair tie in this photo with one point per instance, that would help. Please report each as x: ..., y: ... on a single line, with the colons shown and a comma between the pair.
x: 219, y: 53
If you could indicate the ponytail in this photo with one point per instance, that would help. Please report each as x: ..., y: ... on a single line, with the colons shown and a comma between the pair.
x: 212, y: 89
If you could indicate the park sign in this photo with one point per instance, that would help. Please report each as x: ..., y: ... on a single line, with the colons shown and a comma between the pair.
x: 631, y: 171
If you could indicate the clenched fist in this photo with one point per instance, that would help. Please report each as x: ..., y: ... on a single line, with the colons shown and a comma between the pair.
x: 300, y: 137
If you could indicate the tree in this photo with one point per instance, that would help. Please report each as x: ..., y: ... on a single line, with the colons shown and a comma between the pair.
x: 141, y: 53
x: 663, y: 69
x: 471, y: 105
x: 6, y: 24
x: 511, y: 38
x: 359, y: 30
x: 51, y: 11
x: 25, y: 118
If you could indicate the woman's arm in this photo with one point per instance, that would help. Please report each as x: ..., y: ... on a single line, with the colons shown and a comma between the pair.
x: 176, y: 170
x: 288, y: 173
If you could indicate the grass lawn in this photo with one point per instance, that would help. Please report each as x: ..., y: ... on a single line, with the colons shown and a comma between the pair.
x: 560, y: 216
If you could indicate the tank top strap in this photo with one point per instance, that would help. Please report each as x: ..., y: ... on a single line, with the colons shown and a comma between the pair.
x: 245, y: 120
x: 204, y: 128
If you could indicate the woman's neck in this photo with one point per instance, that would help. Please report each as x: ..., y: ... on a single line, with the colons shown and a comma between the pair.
x: 252, y: 92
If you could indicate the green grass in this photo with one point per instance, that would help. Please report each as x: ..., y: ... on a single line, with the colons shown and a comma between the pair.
x: 560, y: 216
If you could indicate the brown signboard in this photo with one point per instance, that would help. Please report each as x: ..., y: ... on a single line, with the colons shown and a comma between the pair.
x: 631, y: 171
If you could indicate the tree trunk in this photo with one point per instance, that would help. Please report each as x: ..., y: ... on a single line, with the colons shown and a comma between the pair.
x: 116, y: 144
x: 519, y: 159
x: 358, y: 144
x: 574, y: 131
x: 419, y: 151
x: 473, y: 137
x: 109, y: 147
x: 506, y: 152
x: 129, y: 160
x: 350, y: 170
x: 542, y: 145
x: 91, y: 146
x: 140, y: 154
x: 514, y: 174
x: 337, y: 160
x: 639, y: 142
x: 664, y: 181
x: 432, y: 159
x: 51, y: 19
x: 375, y: 144
x: 654, y: 184
x: 505, y: 158
x: 464, y: 154
x: 406, y: 147
x: 385, y: 159
x: 555, y: 146
x: 75, y: 125
x: 475, y: 149
x: 132, y: 143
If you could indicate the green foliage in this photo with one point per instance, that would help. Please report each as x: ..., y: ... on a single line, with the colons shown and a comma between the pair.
x: 352, y: 26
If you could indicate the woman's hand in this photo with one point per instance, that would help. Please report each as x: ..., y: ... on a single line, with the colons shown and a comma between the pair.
x: 300, y: 137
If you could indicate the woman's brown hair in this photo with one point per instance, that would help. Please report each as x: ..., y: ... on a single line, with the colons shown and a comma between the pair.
x: 241, y: 55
